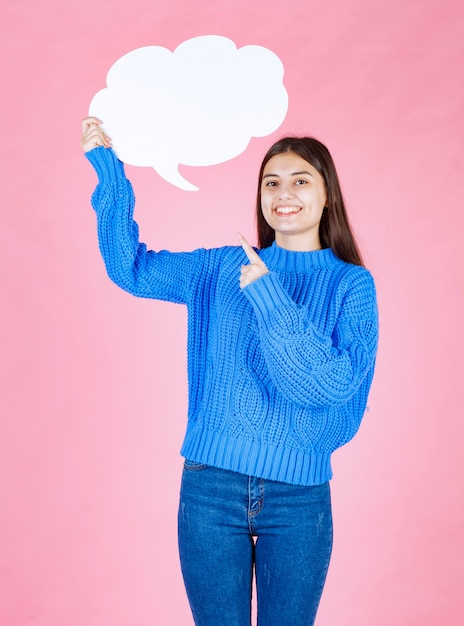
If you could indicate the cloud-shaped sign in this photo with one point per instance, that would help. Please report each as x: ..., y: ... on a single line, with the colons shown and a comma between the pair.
x: 199, y: 105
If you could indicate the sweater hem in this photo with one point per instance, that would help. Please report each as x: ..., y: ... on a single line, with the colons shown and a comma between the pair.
x: 257, y: 459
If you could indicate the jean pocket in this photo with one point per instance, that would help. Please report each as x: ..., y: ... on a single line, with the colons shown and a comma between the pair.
x: 193, y: 466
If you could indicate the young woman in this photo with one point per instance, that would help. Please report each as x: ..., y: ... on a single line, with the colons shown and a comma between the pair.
x: 281, y: 353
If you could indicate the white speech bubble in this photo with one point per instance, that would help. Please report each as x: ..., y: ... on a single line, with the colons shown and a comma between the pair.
x: 199, y: 105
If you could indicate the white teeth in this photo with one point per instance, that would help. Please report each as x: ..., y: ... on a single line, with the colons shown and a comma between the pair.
x: 287, y: 209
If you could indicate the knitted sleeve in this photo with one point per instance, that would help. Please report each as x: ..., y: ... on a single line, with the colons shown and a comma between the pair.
x: 308, y: 367
x: 163, y: 275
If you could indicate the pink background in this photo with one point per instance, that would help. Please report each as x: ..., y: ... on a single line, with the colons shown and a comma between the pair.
x: 93, y: 380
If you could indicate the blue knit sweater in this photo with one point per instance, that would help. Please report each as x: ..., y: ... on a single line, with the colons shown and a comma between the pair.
x: 279, y: 372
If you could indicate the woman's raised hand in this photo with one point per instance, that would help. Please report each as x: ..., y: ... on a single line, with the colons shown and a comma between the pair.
x: 93, y: 135
x: 256, y: 267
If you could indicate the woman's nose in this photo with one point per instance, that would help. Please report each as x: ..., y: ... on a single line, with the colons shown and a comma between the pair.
x: 286, y: 191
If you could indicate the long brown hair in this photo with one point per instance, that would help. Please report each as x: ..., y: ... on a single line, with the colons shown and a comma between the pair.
x: 334, y: 229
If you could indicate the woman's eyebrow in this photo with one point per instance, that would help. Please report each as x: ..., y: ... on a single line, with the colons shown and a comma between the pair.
x: 293, y: 174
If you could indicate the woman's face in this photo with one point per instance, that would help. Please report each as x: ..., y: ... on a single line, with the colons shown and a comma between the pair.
x: 293, y: 197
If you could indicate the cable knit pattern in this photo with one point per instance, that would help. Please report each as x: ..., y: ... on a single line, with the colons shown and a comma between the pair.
x: 279, y: 372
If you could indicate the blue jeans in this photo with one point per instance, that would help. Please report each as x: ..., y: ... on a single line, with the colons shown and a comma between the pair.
x: 230, y: 523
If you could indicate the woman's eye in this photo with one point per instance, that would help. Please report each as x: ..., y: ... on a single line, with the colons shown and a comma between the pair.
x: 301, y: 181
x: 271, y: 183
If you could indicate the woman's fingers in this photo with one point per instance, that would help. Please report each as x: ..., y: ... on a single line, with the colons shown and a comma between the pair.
x: 251, y: 254
x: 93, y: 135
x: 88, y: 122
x: 256, y: 268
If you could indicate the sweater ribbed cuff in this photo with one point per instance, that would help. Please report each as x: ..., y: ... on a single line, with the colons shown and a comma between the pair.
x: 109, y: 169
x: 267, y: 294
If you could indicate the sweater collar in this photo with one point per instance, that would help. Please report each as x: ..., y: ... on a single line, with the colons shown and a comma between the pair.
x: 277, y: 258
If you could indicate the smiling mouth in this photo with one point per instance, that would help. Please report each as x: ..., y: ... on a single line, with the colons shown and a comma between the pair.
x: 287, y: 210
